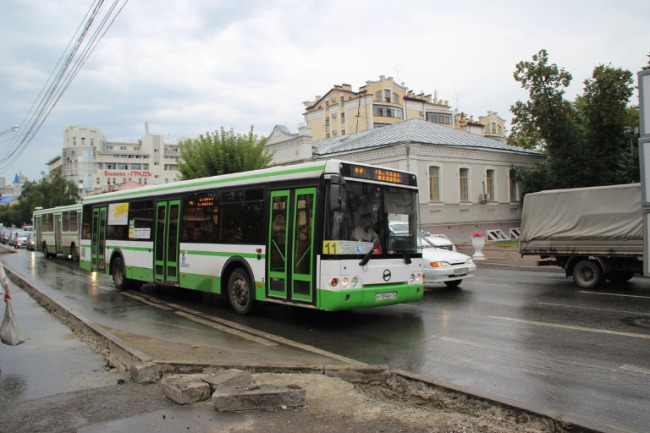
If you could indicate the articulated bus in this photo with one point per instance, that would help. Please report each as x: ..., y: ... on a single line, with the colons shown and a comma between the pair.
x: 57, y: 231
x: 282, y: 234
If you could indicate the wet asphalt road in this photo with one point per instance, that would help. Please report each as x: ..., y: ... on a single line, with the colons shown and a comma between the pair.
x: 531, y: 337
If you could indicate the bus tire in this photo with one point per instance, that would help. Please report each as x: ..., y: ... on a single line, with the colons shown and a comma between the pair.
x: 118, y: 272
x: 74, y: 253
x: 240, y: 291
x: 45, y: 253
x: 587, y: 274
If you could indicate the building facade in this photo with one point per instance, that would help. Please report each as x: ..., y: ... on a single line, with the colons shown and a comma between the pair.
x: 343, y: 111
x: 465, y: 180
x: 98, y: 165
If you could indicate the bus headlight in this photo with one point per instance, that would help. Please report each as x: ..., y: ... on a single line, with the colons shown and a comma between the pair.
x: 343, y: 283
x: 416, y: 278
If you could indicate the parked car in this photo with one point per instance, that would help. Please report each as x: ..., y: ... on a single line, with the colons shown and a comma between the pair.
x: 30, y: 241
x: 20, y: 239
x: 5, y: 234
x: 444, y: 266
x: 439, y: 240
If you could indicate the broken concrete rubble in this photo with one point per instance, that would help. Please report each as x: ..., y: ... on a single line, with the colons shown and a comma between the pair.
x: 231, y: 390
x: 258, y: 397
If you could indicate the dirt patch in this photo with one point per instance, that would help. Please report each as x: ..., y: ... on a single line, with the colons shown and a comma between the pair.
x: 396, y: 406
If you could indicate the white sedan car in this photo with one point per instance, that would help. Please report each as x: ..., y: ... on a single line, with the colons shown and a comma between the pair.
x: 444, y: 266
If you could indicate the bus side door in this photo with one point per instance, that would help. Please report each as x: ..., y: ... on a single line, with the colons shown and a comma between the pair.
x: 166, y: 241
x: 290, y: 257
x: 58, y: 238
x: 98, y: 240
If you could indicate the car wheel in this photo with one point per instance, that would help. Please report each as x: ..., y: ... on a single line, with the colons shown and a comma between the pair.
x: 453, y: 284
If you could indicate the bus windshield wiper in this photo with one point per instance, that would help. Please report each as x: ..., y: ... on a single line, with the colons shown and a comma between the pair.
x: 366, y: 258
x: 400, y: 249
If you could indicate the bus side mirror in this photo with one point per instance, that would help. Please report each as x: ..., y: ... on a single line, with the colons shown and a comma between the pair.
x: 335, y: 193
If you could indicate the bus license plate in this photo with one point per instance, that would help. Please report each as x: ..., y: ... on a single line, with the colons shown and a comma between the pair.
x: 386, y: 296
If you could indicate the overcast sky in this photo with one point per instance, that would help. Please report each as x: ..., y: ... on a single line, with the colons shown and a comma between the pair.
x: 188, y: 67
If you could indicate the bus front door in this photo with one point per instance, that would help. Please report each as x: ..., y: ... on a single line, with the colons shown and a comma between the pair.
x: 98, y: 240
x: 290, y: 264
x: 166, y: 242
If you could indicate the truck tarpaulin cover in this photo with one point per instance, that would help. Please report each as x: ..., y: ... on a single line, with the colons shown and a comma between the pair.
x: 598, y: 213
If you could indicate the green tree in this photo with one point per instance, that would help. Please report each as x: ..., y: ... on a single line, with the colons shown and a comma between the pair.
x: 604, y: 110
x: 585, y: 140
x: 51, y: 191
x: 222, y: 152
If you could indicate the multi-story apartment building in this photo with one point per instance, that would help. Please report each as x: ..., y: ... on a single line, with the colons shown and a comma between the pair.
x: 98, y: 165
x: 384, y: 102
x: 379, y: 103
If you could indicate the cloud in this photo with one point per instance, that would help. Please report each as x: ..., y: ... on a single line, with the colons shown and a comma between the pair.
x: 191, y: 67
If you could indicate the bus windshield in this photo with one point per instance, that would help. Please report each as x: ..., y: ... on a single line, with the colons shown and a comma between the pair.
x: 365, y: 218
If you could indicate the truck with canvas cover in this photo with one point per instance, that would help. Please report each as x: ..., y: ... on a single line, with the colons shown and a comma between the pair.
x: 594, y: 234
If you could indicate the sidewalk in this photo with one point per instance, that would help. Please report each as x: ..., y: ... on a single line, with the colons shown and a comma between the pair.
x: 76, y: 392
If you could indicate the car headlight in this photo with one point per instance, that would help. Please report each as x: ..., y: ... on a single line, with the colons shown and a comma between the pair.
x: 470, y: 261
x: 439, y: 264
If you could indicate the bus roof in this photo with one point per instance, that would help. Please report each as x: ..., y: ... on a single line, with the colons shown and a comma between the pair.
x: 278, y: 173
x: 76, y: 206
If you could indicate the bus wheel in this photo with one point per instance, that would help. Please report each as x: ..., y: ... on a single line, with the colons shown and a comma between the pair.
x: 587, y: 274
x: 240, y: 292
x: 45, y: 253
x: 118, y: 272
x: 74, y: 254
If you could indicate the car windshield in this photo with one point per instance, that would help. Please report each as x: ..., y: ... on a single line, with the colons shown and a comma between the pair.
x: 364, y: 222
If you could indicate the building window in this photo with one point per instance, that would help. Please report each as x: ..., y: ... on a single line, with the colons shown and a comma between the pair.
x: 441, y: 118
x: 387, y: 94
x: 385, y: 111
x: 378, y: 96
x: 514, y: 197
x: 489, y: 181
x: 434, y: 184
x: 395, y: 98
x: 342, y: 117
x: 464, y: 184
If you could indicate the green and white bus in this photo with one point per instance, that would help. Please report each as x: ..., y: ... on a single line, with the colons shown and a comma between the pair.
x: 57, y: 230
x: 282, y: 234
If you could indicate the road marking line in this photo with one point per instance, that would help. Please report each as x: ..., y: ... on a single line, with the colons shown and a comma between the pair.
x: 635, y: 369
x: 218, y: 327
x: 574, y: 328
x: 613, y: 294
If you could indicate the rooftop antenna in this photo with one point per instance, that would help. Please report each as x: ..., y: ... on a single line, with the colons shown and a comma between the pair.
x: 457, y: 98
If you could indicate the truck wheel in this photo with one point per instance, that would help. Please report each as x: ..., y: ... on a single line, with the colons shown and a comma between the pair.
x: 240, y: 292
x: 620, y: 277
x: 587, y: 274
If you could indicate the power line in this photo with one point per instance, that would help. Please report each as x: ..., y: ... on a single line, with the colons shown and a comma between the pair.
x: 74, y: 57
